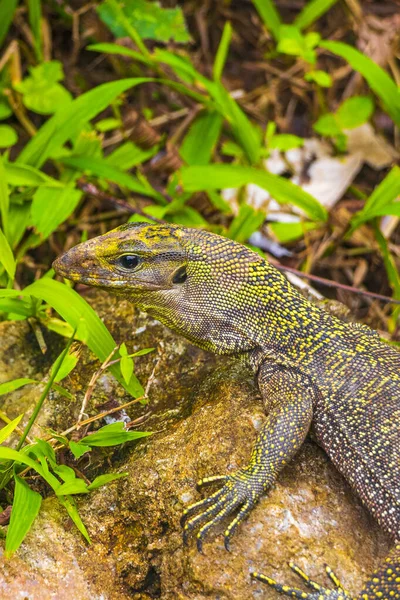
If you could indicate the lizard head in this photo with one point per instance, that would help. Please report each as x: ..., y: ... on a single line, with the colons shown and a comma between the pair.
x: 193, y: 281
x: 131, y: 260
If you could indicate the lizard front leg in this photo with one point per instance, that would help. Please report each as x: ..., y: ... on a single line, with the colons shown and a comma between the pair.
x: 288, y: 398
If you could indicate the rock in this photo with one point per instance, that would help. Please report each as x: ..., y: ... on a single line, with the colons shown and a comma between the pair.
x: 205, y: 413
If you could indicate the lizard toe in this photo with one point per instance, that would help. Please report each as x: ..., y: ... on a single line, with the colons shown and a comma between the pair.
x: 318, y: 592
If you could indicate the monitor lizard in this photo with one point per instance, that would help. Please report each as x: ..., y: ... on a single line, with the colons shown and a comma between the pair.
x: 312, y: 369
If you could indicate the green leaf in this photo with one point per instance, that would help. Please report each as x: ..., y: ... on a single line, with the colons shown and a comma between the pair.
x: 289, y: 232
x: 129, y: 155
x: 222, y: 51
x: 327, y: 125
x: 219, y: 176
x: 25, y: 175
x: 6, y: 256
x: 5, y: 108
x: 7, y: 10
x: 35, y: 17
x: 68, y: 364
x: 378, y: 80
x: 78, y: 449
x: 68, y: 503
x: 4, y: 198
x: 6, y: 431
x: 245, y: 223
x: 383, y: 200
x: 104, y: 479
x: 102, y: 168
x: 354, y: 112
x: 76, y: 486
x: 71, y: 119
x: 112, y: 435
x: 243, y: 129
x: 51, y: 207
x: 64, y: 472
x: 390, y: 266
x: 126, y: 364
x: 108, y: 48
x: 15, y: 384
x: 285, y: 141
x: 149, y: 19
x: 199, y: 143
x: 312, y: 11
x: 269, y: 15
x: 8, y: 136
x: 41, y: 91
x: 294, y: 43
x: 108, y: 124
x: 75, y: 310
x: 320, y: 78
x: 25, y: 509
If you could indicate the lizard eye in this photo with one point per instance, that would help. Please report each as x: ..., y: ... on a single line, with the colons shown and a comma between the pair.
x: 180, y: 275
x: 128, y: 261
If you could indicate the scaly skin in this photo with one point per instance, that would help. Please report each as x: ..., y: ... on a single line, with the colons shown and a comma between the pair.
x: 311, y: 367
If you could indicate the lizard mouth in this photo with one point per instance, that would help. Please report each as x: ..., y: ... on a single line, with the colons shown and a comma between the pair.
x: 79, y: 275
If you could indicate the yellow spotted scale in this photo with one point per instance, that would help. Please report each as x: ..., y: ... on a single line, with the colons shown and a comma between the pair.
x: 312, y: 369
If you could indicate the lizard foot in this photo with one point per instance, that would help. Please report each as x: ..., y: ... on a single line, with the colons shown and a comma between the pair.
x: 241, y: 490
x: 318, y: 593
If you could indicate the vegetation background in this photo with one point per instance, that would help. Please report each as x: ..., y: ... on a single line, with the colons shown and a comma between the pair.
x: 274, y: 123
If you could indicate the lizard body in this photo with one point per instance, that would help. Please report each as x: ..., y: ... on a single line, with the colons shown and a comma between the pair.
x: 312, y: 369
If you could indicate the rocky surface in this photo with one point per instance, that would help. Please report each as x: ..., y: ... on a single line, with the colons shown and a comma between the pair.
x: 204, y: 413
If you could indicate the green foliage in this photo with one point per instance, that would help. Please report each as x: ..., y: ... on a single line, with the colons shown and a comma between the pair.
x: 351, y: 113
x: 8, y: 136
x: 384, y: 200
x: 321, y: 78
x: 111, y: 435
x: 149, y: 19
x: 215, y: 176
x: 269, y: 15
x: 25, y: 509
x: 312, y: 11
x: 378, y: 80
x: 6, y: 431
x: 41, y: 91
x: 7, y: 10
x: 207, y: 128
x: 293, y: 42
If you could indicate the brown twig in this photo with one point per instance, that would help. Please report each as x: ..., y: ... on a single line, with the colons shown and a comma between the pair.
x: 335, y: 284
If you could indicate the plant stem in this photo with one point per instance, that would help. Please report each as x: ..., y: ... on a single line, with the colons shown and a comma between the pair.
x: 46, y: 390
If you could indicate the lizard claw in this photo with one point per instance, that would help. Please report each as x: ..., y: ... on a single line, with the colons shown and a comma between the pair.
x: 240, y: 491
x: 319, y: 592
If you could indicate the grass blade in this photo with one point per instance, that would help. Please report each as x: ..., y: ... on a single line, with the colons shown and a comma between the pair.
x: 7, y: 257
x: 6, y: 431
x: 312, y: 11
x: 4, y: 197
x: 222, y: 51
x: 35, y: 18
x: 102, y: 168
x: 25, y: 509
x: 382, y: 201
x: 7, y: 10
x: 71, y: 119
x: 73, y: 308
x: 51, y: 207
x: 195, y: 179
x: 269, y: 15
x: 378, y: 80
x: 207, y: 128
